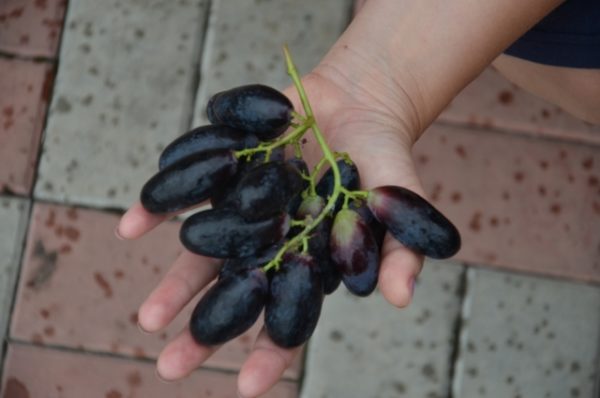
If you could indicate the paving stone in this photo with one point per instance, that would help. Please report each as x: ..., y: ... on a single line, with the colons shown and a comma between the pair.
x: 74, y: 375
x: 80, y: 287
x: 521, y: 203
x: 245, y: 39
x: 492, y: 101
x: 123, y: 90
x: 528, y: 337
x: 31, y: 28
x: 13, y: 224
x: 364, y: 347
x: 25, y: 86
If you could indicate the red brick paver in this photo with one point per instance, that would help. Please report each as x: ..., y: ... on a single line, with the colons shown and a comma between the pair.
x: 80, y: 287
x: 78, y: 375
x: 521, y: 203
x: 31, y: 27
x: 25, y: 88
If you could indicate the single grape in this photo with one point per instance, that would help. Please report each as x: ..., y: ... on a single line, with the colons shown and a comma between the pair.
x: 267, y: 189
x: 377, y: 228
x: 223, y: 233
x: 205, y: 138
x: 350, y: 179
x: 295, y: 301
x: 225, y: 196
x: 256, y: 108
x: 318, y: 244
x: 414, y: 222
x: 229, y: 307
x: 189, y: 181
x: 354, y: 252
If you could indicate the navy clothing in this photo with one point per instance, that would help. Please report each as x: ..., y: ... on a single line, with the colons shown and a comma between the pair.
x: 568, y: 36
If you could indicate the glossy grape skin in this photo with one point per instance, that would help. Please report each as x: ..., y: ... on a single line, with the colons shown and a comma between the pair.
x: 377, y: 228
x: 318, y: 244
x: 295, y: 299
x: 302, y: 168
x: 188, y: 182
x: 225, y: 195
x: 267, y: 189
x: 205, y: 138
x: 354, y: 252
x: 229, y: 307
x: 256, y: 108
x: 414, y: 222
x: 223, y: 233
x: 233, y: 265
x: 350, y: 179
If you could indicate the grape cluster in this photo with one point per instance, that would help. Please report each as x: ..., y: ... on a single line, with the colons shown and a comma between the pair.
x: 287, y: 239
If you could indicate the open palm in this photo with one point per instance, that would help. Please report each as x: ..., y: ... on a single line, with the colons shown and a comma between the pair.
x: 354, y: 121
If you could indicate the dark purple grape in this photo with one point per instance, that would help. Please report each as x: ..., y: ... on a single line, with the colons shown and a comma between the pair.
x: 349, y: 178
x: 318, y: 244
x: 256, y: 108
x: 295, y: 301
x: 229, y: 307
x: 189, y: 181
x: 223, y: 233
x: 225, y: 197
x: 302, y: 168
x: 377, y: 228
x: 267, y: 189
x: 232, y: 265
x: 414, y: 222
x: 206, y: 138
x: 354, y: 252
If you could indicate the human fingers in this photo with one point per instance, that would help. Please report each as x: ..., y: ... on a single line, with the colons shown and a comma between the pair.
x: 264, y: 367
x: 181, y: 356
x: 189, y: 274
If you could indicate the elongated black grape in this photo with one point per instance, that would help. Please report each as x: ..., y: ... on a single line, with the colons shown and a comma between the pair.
x: 206, y: 138
x: 189, y: 181
x: 349, y: 178
x: 267, y: 190
x: 225, y: 196
x: 414, y: 222
x: 295, y: 301
x: 318, y: 244
x: 223, y: 233
x: 229, y: 307
x: 256, y: 108
x: 232, y: 265
x: 377, y: 228
x: 302, y: 168
x: 354, y: 252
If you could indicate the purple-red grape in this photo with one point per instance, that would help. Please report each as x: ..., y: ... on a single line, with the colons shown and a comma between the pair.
x: 354, y: 252
x: 223, y: 233
x: 189, y: 181
x: 295, y: 301
x: 229, y: 307
x: 414, y: 222
x: 256, y: 108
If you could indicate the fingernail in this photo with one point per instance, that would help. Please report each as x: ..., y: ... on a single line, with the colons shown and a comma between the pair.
x: 117, y: 234
x: 159, y: 377
x: 411, y: 286
x: 142, y: 329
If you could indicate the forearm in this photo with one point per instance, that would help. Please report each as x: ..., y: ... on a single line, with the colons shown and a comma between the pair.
x: 416, y: 55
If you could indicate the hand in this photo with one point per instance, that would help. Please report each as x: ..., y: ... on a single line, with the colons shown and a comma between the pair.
x: 354, y: 121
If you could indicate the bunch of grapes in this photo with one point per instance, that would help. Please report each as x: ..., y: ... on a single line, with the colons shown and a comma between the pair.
x: 287, y: 236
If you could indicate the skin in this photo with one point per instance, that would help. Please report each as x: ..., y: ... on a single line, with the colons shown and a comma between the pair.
x: 384, y: 81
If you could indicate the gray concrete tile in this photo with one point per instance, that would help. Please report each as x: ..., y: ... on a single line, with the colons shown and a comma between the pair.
x: 364, y: 347
x: 13, y: 224
x: 528, y: 337
x: 123, y: 91
x: 245, y: 38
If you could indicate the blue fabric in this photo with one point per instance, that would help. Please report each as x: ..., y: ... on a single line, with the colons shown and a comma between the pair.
x: 568, y: 36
